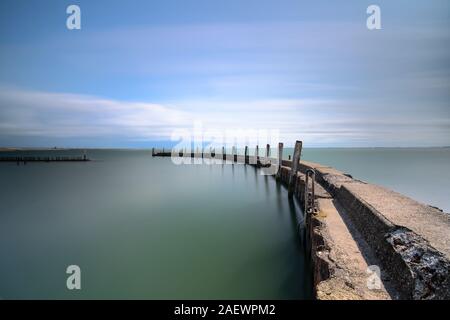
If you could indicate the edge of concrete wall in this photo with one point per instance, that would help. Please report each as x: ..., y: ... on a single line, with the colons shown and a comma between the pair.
x: 418, y: 269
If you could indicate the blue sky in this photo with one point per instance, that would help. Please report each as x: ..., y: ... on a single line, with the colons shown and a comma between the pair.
x: 138, y: 70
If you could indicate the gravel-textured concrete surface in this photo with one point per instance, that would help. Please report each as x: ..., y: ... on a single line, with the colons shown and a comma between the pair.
x: 428, y: 222
x: 350, y: 257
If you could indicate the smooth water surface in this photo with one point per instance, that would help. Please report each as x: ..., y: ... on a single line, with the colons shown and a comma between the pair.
x: 142, y: 227
x: 420, y: 173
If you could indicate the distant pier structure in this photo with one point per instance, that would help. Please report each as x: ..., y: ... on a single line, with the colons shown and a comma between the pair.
x: 31, y: 158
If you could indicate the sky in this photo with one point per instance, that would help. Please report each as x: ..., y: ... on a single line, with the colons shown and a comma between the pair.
x: 137, y: 71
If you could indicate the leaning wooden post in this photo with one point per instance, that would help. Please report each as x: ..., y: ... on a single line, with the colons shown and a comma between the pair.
x: 280, y: 159
x: 294, y: 168
x: 246, y: 155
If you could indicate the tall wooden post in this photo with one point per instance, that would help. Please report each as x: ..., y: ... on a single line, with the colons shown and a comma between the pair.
x: 224, y: 156
x: 267, y: 153
x: 246, y: 155
x: 294, y: 168
x: 280, y: 159
x: 256, y: 154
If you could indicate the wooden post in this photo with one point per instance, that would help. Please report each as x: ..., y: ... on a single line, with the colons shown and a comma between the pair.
x: 280, y: 159
x: 153, y: 152
x: 246, y: 155
x: 267, y: 153
x: 256, y: 154
x: 294, y: 168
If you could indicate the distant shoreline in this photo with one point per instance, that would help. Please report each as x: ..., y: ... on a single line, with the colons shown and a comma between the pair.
x: 9, y: 149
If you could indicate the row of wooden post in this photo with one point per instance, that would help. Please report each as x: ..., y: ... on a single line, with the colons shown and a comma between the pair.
x: 294, y: 165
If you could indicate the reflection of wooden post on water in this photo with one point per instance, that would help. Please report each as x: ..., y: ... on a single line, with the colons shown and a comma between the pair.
x: 280, y: 159
x: 294, y: 168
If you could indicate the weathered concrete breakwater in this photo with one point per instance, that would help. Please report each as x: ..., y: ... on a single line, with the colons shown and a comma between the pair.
x: 353, y: 226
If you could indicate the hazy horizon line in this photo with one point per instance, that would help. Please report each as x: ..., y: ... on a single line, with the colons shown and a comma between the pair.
x: 169, y: 148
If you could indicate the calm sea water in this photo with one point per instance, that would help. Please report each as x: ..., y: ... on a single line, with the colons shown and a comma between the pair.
x: 141, y: 227
x: 420, y: 173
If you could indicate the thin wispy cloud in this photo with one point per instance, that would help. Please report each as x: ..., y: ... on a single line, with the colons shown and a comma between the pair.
x: 40, y: 115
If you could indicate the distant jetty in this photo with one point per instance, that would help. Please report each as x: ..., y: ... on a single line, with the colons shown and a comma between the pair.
x: 26, y: 159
